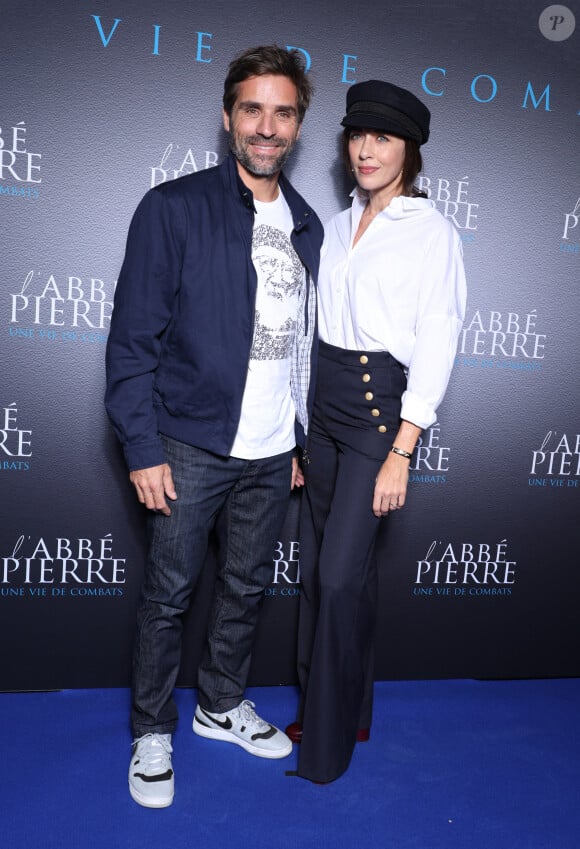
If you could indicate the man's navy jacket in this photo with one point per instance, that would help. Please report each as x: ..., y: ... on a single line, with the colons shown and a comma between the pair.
x: 183, y: 318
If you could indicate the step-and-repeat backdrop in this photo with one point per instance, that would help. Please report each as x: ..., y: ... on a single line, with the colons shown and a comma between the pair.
x: 102, y: 99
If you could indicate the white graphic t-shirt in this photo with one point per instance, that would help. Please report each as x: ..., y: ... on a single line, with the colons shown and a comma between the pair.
x: 267, y: 420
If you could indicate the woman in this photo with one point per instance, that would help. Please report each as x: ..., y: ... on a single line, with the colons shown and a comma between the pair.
x: 392, y: 301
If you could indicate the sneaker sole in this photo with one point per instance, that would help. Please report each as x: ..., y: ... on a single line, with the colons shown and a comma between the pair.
x: 147, y: 801
x: 228, y: 737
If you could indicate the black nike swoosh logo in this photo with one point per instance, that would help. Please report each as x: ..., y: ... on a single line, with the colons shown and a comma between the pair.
x: 165, y: 776
x: 265, y: 735
x: 226, y: 724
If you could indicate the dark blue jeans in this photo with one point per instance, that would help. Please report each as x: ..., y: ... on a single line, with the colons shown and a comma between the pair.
x: 245, y: 501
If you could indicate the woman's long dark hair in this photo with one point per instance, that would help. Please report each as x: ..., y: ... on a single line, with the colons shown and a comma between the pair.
x: 412, y: 164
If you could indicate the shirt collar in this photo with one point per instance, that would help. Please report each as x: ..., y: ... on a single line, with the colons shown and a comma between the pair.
x: 399, y: 207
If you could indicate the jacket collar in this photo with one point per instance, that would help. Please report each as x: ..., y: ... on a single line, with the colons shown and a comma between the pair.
x: 299, y: 209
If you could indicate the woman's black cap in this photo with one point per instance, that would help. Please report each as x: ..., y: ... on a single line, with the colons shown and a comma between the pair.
x: 378, y: 105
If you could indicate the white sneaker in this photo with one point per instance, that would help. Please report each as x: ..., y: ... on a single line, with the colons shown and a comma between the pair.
x: 243, y: 726
x: 151, y: 781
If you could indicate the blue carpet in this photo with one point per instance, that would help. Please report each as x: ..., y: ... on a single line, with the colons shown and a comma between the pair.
x: 450, y: 765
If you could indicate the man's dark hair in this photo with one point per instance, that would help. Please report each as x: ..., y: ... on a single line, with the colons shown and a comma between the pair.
x: 271, y: 59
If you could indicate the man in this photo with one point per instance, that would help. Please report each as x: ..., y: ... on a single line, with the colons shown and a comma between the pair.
x: 209, y: 403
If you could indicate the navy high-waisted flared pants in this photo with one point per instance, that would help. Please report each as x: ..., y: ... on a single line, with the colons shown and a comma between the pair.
x: 355, y: 418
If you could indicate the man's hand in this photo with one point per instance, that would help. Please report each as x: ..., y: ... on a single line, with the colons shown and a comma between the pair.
x: 297, y: 475
x: 153, y: 485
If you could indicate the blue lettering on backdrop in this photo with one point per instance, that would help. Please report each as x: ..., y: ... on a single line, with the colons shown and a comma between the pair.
x: 349, y: 68
x: 426, y: 85
x: 424, y: 82
x: 346, y: 67
x: 201, y: 45
x: 105, y: 39
x: 493, y: 88
x: 156, y: 27
x: 304, y: 52
x: 536, y: 102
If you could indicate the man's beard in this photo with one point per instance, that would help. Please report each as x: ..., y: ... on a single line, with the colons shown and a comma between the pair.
x: 260, y: 166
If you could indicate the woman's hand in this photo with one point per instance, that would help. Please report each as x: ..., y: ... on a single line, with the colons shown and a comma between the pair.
x: 393, y: 477
x: 391, y: 485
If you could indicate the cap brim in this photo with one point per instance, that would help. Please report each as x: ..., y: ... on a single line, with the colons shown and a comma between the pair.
x: 365, y: 120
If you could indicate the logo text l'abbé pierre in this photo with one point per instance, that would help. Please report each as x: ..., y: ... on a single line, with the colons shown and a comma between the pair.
x: 55, y: 307
x: 465, y: 569
x: 63, y: 566
x: 496, y: 339
x: 556, y: 463
x: 15, y: 442
x: 19, y: 168
x: 174, y: 163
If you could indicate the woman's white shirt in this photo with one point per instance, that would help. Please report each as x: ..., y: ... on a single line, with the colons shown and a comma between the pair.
x: 400, y: 289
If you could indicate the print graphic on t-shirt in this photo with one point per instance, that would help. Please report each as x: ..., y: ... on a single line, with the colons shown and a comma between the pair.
x: 280, y: 275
